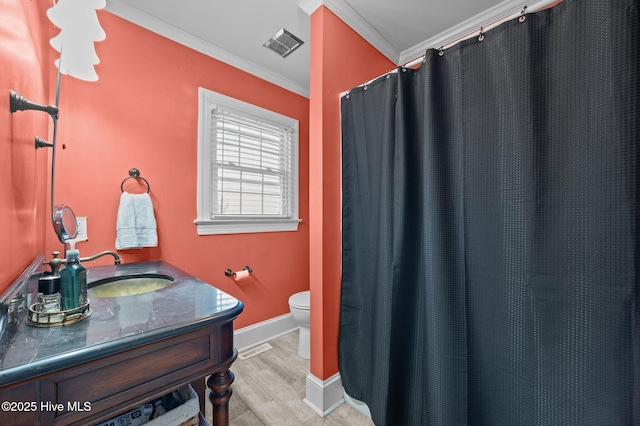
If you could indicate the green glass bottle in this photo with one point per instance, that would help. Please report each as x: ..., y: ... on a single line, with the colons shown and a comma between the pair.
x: 73, y: 282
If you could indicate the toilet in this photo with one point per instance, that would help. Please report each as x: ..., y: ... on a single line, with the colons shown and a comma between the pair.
x: 299, y: 304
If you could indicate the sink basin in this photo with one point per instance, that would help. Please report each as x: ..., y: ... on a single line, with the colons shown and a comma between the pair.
x: 129, y: 285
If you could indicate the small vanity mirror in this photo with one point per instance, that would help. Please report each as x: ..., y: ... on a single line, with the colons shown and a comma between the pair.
x: 64, y: 223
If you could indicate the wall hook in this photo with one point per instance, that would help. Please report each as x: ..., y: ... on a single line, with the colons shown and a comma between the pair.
x: 19, y: 103
x: 41, y: 143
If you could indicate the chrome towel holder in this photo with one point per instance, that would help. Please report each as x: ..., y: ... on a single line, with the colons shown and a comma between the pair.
x: 135, y: 174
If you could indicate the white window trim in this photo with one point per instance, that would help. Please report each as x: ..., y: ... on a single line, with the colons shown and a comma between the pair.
x: 207, y: 100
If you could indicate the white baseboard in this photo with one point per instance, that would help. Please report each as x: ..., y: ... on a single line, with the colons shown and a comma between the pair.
x: 264, y: 331
x: 324, y: 396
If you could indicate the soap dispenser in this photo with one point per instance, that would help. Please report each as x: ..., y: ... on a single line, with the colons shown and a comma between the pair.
x: 73, y: 282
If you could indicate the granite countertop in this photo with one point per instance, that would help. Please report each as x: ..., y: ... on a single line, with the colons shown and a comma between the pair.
x: 116, y: 323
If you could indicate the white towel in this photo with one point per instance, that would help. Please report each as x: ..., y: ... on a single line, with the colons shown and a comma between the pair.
x: 136, y: 223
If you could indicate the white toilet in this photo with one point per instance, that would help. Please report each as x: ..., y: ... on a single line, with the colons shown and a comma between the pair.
x: 299, y: 304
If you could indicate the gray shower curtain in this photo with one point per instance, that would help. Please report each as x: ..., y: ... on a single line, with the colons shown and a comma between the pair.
x: 491, y: 229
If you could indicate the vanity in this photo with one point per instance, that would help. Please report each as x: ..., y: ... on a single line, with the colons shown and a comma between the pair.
x: 130, y: 350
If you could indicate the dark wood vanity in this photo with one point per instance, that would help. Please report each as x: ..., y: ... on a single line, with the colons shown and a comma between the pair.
x: 106, y: 366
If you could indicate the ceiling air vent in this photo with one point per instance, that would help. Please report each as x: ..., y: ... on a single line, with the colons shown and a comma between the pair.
x: 283, y: 43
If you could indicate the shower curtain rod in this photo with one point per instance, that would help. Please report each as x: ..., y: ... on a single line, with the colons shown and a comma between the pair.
x: 534, y: 7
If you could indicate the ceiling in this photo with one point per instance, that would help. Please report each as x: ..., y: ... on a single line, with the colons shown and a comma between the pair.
x: 234, y: 30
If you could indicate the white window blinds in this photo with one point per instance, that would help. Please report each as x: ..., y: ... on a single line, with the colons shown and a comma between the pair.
x: 247, y: 167
x: 251, y: 166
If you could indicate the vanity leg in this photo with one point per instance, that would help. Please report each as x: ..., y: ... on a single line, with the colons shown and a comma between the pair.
x: 220, y: 385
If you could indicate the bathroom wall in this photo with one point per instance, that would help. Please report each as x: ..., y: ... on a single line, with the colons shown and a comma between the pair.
x: 142, y: 112
x: 23, y: 170
x: 340, y: 60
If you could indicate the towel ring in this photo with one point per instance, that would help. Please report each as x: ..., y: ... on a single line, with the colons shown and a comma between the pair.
x: 135, y: 174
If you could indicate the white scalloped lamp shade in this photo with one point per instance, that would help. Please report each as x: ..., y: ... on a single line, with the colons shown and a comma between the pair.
x: 79, y: 29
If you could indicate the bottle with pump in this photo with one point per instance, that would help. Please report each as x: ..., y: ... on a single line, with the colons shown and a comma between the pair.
x: 73, y: 282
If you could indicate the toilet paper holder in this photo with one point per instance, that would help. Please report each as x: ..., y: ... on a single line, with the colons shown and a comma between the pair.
x: 230, y: 273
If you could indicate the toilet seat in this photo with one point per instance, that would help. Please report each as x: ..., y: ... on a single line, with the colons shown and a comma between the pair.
x: 301, y: 300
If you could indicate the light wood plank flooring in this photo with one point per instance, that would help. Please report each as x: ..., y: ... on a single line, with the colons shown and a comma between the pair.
x: 269, y: 388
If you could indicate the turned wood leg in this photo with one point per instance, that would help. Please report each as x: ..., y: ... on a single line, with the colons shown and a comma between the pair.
x: 220, y: 385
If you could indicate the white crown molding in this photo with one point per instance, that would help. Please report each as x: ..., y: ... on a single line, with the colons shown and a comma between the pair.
x: 488, y: 19
x: 164, y: 29
x: 350, y: 17
x: 310, y: 6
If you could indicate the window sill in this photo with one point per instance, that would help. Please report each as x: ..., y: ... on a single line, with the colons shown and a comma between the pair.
x: 239, y: 226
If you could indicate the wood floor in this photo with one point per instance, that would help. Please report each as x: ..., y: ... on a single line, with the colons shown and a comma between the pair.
x: 269, y: 388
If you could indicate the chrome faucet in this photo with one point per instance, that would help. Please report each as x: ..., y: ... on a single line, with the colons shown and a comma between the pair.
x: 116, y: 258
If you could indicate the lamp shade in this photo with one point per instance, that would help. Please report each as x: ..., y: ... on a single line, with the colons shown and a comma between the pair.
x: 79, y: 29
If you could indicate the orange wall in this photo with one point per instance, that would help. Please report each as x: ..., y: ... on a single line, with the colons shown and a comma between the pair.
x: 142, y: 112
x: 23, y: 170
x: 340, y: 60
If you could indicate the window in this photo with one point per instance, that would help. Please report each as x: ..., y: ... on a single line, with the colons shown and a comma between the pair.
x: 247, y: 167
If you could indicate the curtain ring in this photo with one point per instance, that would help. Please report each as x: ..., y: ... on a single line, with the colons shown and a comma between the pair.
x: 481, y: 36
x: 522, y: 15
x: 441, y: 51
